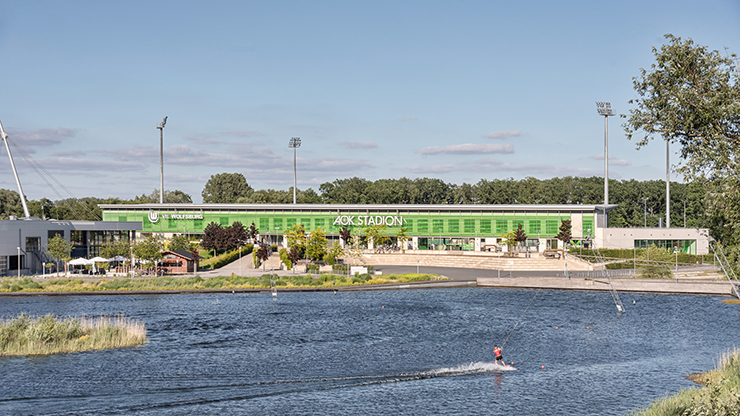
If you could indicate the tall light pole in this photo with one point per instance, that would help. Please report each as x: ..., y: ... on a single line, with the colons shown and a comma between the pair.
x: 161, y: 160
x: 684, y: 213
x: 295, y: 142
x: 605, y: 109
x: 667, y: 185
x: 645, y: 201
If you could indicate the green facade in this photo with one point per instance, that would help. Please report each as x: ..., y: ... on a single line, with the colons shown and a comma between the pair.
x: 419, y: 222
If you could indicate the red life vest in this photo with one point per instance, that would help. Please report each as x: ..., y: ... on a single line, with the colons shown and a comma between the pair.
x: 497, y: 352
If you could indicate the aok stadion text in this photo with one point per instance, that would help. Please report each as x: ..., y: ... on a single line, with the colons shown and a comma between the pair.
x: 361, y: 220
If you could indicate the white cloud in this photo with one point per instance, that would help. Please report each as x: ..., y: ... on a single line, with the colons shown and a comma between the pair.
x: 29, y: 140
x: 359, y: 145
x: 612, y: 160
x: 468, y: 149
x: 433, y: 169
x: 503, y: 134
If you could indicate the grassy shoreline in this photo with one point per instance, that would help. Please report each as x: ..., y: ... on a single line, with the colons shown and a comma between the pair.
x: 27, y: 335
x: 719, y: 396
x: 27, y: 285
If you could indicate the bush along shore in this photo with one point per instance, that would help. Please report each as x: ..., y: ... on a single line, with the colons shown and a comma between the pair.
x: 197, y: 282
x: 720, y: 395
x: 26, y: 335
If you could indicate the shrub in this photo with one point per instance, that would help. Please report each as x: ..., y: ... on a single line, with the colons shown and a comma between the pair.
x: 330, y: 259
x: 655, y: 272
x: 285, y: 258
x: 312, y: 268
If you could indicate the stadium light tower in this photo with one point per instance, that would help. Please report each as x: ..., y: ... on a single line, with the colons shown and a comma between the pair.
x: 295, y: 142
x: 605, y: 109
x: 161, y: 160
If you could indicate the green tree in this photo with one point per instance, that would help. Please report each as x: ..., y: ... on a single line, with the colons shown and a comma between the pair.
x: 10, y: 204
x: 376, y: 234
x: 149, y: 249
x: 690, y: 97
x: 316, y: 248
x: 225, y: 188
x: 170, y: 197
x: 510, y: 241
x: 179, y: 242
x: 115, y: 248
x: 59, y: 249
x: 402, y: 238
x: 296, y: 237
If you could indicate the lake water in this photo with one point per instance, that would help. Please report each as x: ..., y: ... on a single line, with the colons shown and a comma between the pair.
x: 374, y: 352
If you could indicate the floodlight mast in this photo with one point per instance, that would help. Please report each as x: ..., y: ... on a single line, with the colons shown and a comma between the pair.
x: 605, y: 109
x: 15, y: 173
x: 295, y: 142
x: 161, y: 160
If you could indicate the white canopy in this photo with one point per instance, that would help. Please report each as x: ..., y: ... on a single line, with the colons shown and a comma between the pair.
x: 118, y: 258
x: 99, y: 260
x: 80, y: 262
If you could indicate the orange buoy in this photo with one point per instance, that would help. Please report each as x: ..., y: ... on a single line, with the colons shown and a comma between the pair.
x: 556, y: 327
x: 543, y: 367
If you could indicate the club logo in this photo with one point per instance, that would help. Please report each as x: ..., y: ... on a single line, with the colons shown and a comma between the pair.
x: 153, y: 217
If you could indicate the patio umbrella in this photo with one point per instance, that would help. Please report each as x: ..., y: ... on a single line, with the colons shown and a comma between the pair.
x: 79, y: 262
x: 99, y: 260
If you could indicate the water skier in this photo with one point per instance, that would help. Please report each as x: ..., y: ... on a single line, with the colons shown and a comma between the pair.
x: 499, y: 356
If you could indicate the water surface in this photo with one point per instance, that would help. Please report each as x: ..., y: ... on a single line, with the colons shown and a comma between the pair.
x: 375, y: 352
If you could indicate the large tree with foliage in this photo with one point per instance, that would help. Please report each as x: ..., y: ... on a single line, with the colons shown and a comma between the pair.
x: 149, y: 249
x: 225, y: 188
x: 59, y: 249
x: 317, y: 242
x: 690, y: 97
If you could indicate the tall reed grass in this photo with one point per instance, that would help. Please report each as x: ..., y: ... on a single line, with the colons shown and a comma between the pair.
x: 27, y: 335
x: 719, y: 397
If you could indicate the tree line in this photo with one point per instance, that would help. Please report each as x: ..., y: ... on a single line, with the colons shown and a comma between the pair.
x: 638, y: 203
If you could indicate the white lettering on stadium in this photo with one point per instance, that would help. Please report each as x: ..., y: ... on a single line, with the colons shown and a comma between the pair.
x: 363, y: 220
x: 154, y: 217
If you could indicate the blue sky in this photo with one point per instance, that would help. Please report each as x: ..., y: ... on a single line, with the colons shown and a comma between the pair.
x: 460, y: 91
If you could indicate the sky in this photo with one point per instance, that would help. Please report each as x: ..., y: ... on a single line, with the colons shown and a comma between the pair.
x: 460, y: 91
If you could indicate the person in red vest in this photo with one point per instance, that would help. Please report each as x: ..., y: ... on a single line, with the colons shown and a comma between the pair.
x: 499, y: 355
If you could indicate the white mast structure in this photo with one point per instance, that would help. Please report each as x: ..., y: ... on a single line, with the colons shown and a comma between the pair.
x: 15, y: 173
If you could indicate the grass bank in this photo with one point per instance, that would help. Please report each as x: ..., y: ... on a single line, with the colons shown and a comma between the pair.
x: 26, y: 335
x: 720, y: 395
x: 197, y: 282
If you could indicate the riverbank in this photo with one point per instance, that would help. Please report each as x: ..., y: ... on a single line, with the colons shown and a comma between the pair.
x: 720, y: 396
x: 26, y: 335
x: 216, y: 284
x: 680, y: 286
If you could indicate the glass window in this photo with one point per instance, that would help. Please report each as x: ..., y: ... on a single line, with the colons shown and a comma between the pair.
x: 437, y: 225
x: 423, y: 226
x: 454, y: 226
x: 33, y: 244
x: 469, y: 226
x: 485, y: 226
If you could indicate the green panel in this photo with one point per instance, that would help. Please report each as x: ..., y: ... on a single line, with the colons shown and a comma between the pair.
x: 502, y: 227
x: 306, y: 223
x: 437, y: 225
x: 469, y: 226
x: 277, y: 223
x: 454, y: 226
x: 319, y: 222
x: 264, y: 225
x: 535, y: 227
x: 198, y: 225
x: 409, y: 224
x: 552, y: 226
x: 290, y: 222
x: 224, y: 221
x: 122, y: 218
x: 423, y: 226
x: 485, y: 226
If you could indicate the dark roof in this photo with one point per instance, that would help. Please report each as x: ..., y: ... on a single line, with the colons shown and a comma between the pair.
x: 180, y: 253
